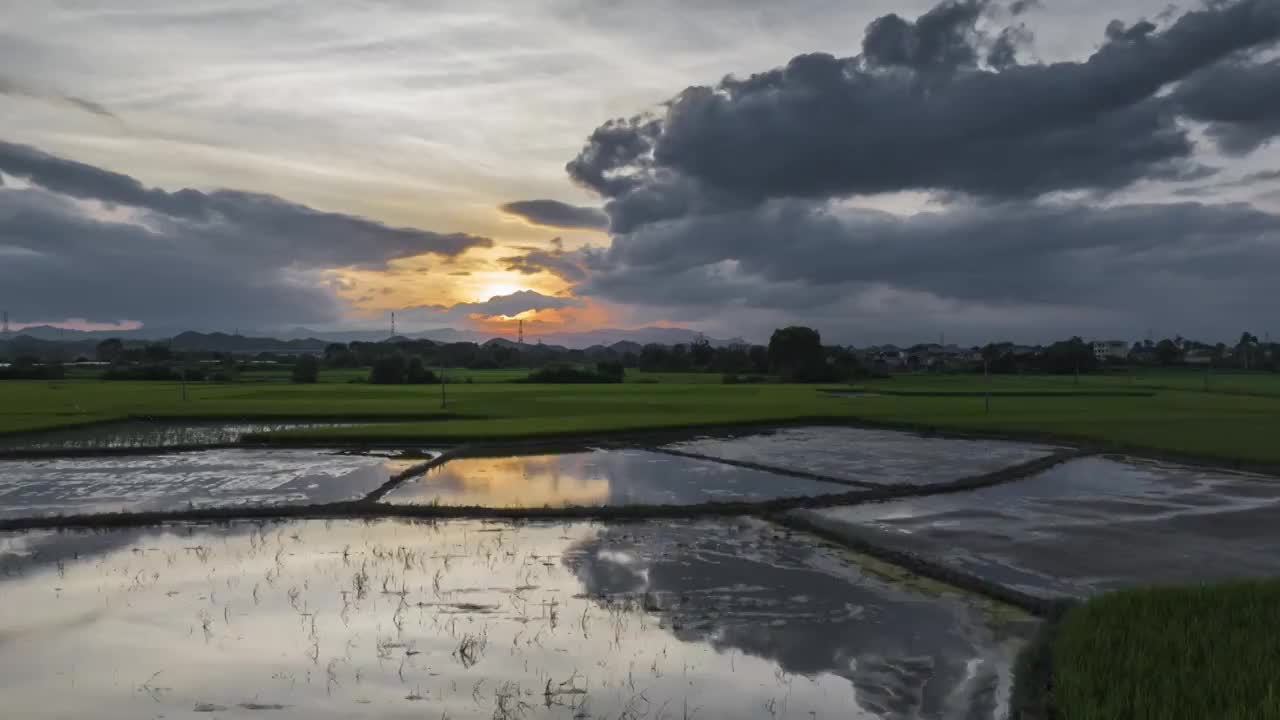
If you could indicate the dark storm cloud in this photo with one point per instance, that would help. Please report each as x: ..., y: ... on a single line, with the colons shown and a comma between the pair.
x: 567, y: 266
x: 1188, y: 261
x: 57, y: 262
x: 553, y: 213
x: 1240, y: 101
x: 736, y: 202
x: 216, y: 258
x: 890, y: 120
x: 944, y: 38
x: 1023, y: 253
x: 266, y: 222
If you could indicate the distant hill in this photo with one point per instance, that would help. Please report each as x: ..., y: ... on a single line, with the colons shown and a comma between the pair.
x: 301, y: 339
x: 635, y: 339
x: 222, y: 342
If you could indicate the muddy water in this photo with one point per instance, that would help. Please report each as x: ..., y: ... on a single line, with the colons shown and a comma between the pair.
x: 872, y: 456
x: 601, y: 477
x: 176, y: 481
x: 1086, y: 526
x: 144, y: 434
x: 467, y: 620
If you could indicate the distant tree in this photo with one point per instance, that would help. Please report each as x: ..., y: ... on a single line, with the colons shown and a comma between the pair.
x: 1074, y: 355
x: 339, y: 355
x: 306, y: 369
x: 1168, y: 352
x: 610, y: 369
x: 795, y: 350
x: 654, y: 357
x: 109, y: 351
x: 759, y: 356
x: 680, y: 359
x: 1245, y: 349
x: 416, y: 373
x: 157, y: 352
x: 702, y: 353
x: 388, y: 370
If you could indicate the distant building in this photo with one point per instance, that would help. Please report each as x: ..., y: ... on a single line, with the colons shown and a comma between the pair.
x: 1199, y: 356
x: 1106, y: 350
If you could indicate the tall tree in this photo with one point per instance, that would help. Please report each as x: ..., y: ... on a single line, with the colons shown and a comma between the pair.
x: 306, y: 369
x: 111, y: 350
x: 792, y: 349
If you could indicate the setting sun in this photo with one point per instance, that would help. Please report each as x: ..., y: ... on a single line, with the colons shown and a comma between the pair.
x: 497, y: 289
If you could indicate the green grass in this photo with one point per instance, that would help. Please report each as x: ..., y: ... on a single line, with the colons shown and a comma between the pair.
x: 1186, y: 379
x: 1169, y: 654
x: 1210, y: 425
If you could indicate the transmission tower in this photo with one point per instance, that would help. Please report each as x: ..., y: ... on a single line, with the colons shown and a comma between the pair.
x: 393, y: 324
x: 520, y: 337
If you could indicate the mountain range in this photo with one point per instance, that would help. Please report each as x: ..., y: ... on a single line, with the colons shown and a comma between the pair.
x: 301, y: 339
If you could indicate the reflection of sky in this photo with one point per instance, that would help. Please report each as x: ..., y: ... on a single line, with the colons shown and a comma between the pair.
x: 602, y: 477
x: 1055, y: 532
x: 169, y: 619
x: 875, y: 456
x: 811, y: 610
x: 175, y: 481
x: 140, y: 433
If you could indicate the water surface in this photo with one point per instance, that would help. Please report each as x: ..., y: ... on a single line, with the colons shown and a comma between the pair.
x: 600, y: 477
x: 870, y: 456
x: 1088, y: 525
x: 148, y: 434
x: 394, y: 619
x: 222, y: 478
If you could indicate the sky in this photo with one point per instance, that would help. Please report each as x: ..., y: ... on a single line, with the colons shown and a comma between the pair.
x: 884, y: 171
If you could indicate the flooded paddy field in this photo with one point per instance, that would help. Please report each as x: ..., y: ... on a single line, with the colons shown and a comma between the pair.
x: 210, y: 478
x: 881, y: 457
x: 596, y: 478
x: 1086, y: 526
x: 463, y: 619
x: 148, y: 434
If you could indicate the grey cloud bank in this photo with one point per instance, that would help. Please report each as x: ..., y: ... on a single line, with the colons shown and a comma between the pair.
x: 746, y: 194
x: 894, y: 168
x: 553, y: 213
x: 80, y: 241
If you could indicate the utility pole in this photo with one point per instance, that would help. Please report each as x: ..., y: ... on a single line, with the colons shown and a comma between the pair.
x: 443, y: 398
x: 5, y: 330
x: 986, y: 377
x: 520, y: 336
x: 393, y: 324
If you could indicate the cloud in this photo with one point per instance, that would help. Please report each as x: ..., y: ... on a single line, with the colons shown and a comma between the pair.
x: 1156, y: 264
x: 508, y: 305
x: 12, y: 87
x: 942, y: 39
x: 1240, y: 101
x: 744, y: 204
x: 553, y: 213
x: 1250, y: 182
x: 81, y: 241
x: 266, y: 223
x: 567, y: 266
x: 918, y: 111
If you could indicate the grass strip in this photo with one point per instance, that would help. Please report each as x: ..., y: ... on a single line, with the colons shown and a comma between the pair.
x: 1171, y: 654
